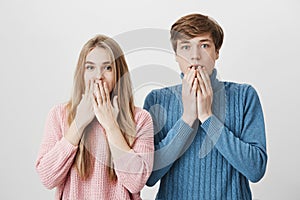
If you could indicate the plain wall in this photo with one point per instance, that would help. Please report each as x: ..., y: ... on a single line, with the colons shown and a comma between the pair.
x: 40, y: 42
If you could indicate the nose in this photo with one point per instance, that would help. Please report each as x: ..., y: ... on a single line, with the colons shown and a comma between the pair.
x: 99, y: 73
x: 195, y: 54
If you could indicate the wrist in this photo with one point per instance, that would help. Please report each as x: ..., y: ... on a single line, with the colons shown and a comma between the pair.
x: 79, y: 125
x: 203, y: 118
x: 112, y: 127
x: 189, y: 120
x: 74, y: 134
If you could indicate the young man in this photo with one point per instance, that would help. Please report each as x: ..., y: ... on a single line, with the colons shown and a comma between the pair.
x: 209, y: 135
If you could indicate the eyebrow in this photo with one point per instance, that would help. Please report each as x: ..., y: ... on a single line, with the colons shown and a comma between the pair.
x: 205, y: 40
x: 104, y: 63
x: 188, y: 42
x: 184, y: 42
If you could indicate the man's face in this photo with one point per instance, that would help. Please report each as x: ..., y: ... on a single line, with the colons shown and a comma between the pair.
x: 199, y: 51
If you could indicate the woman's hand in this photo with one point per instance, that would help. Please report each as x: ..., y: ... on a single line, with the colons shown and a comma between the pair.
x: 85, y: 113
x: 105, y: 112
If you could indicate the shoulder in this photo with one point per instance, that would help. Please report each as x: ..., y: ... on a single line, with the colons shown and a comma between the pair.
x: 157, y: 95
x: 244, y: 88
x: 60, y: 108
x: 168, y: 90
x: 142, y: 116
x: 143, y: 120
x: 58, y: 112
x: 245, y: 91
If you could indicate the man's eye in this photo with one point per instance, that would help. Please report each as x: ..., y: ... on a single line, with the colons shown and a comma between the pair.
x: 204, y: 46
x: 185, y: 47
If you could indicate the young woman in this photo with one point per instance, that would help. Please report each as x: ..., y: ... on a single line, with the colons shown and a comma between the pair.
x: 98, y: 145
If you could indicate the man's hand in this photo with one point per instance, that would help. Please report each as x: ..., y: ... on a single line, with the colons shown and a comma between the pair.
x: 189, y: 89
x: 204, y: 95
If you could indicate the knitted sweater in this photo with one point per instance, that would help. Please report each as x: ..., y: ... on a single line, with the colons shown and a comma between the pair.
x: 56, y: 156
x: 213, y: 160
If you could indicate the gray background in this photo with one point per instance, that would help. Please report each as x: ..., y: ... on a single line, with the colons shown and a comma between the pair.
x: 40, y: 42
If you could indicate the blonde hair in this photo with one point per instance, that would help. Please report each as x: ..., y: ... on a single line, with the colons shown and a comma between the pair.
x: 84, y: 160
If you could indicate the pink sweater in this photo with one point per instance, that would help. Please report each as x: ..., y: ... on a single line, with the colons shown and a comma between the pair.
x: 56, y: 156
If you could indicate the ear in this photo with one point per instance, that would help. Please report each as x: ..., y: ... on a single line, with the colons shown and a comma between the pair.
x: 217, y: 54
x: 176, y: 57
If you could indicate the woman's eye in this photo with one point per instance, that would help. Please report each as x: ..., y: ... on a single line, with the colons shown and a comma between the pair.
x: 90, y: 67
x: 108, y: 68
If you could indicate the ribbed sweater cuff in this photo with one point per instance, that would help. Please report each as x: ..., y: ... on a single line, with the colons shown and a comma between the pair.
x: 183, y: 129
x: 213, y: 127
x: 121, y: 163
x: 67, y: 146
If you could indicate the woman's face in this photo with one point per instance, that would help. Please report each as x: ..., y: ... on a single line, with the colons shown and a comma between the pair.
x: 99, y: 66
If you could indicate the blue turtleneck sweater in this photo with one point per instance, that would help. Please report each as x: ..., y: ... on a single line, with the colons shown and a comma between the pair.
x: 213, y: 160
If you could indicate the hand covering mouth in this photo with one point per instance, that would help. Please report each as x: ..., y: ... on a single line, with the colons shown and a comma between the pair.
x: 196, y: 66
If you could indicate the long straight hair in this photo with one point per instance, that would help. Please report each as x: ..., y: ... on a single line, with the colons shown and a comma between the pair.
x: 84, y: 160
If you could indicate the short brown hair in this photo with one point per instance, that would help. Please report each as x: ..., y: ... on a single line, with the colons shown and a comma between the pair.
x: 193, y: 25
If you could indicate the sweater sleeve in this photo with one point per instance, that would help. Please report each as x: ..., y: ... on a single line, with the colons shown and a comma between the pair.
x: 246, y: 153
x: 56, y: 154
x: 133, y: 168
x: 168, y: 146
